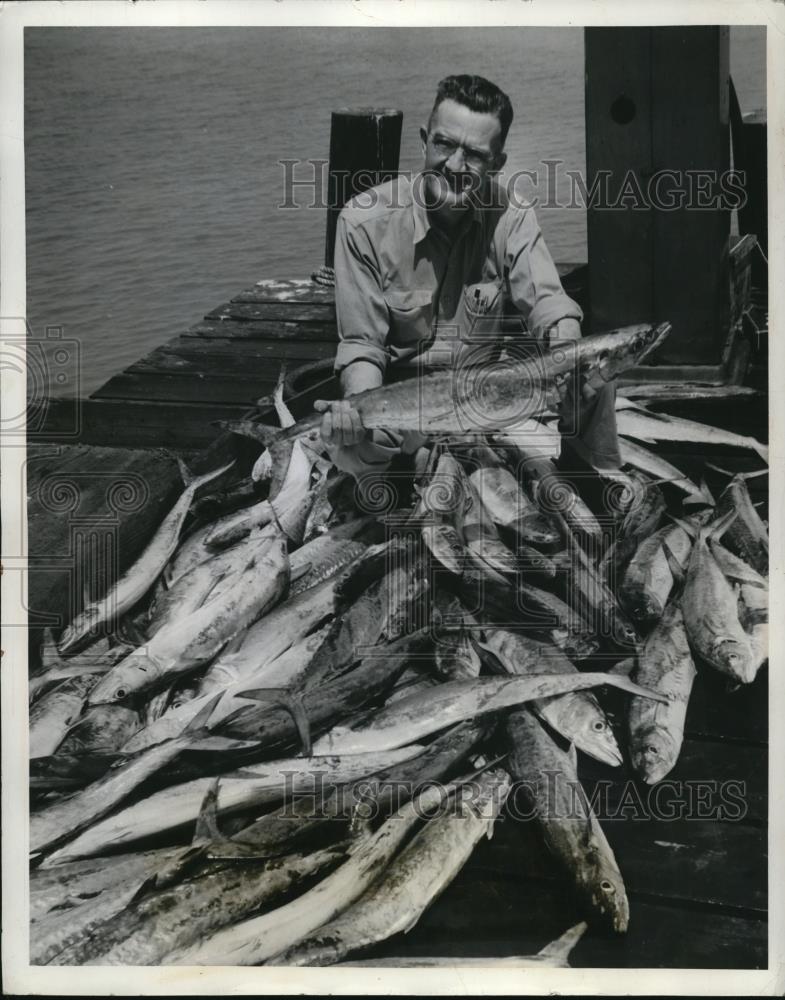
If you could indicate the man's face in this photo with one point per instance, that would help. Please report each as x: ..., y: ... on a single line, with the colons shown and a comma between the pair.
x: 461, y: 148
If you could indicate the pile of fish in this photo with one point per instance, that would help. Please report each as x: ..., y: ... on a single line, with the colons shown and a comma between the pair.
x: 283, y: 731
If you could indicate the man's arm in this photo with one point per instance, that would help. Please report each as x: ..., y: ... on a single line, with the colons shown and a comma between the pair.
x: 341, y: 424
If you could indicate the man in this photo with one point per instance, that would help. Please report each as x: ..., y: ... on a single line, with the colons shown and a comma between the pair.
x: 424, y: 264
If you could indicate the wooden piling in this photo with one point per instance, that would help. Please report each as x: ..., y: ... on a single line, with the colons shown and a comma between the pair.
x: 365, y: 147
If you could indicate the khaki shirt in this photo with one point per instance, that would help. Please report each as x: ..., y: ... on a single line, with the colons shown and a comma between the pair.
x: 405, y: 293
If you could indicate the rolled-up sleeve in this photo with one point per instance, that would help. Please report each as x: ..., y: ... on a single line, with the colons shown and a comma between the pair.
x: 534, y: 285
x: 362, y: 314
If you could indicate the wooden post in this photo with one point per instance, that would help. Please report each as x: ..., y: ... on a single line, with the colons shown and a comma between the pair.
x: 753, y: 216
x: 365, y: 146
x: 657, y: 100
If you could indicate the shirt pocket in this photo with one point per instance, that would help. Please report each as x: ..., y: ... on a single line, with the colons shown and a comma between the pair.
x: 411, y: 318
x: 479, y: 313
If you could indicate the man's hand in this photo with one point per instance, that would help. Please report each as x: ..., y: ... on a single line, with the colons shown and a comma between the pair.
x: 342, y: 425
x: 570, y: 329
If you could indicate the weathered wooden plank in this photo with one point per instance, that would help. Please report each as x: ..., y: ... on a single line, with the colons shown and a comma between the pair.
x: 132, y: 423
x: 287, y: 290
x: 90, y: 513
x: 482, y: 917
x: 192, y: 356
x: 689, y: 860
x: 319, y: 312
x: 202, y: 389
x: 264, y: 329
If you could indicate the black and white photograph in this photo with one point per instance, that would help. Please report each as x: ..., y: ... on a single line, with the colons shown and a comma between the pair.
x: 386, y: 497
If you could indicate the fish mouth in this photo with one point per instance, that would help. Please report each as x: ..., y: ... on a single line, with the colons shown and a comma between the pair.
x: 605, y: 753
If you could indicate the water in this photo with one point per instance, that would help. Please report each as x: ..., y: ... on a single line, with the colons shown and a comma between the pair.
x: 152, y: 174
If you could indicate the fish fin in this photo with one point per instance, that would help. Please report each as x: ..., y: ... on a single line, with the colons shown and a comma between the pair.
x: 292, y: 703
x: 676, y: 568
x: 685, y: 525
x: 206, y: 829
x: 488, y: 656
x: 199, y: 722
x: 760, y: 503
x: 739, y: 475
x: 559, y: 950
x: 185, y: 472
x: 713, y: 532
x: 624, y: 667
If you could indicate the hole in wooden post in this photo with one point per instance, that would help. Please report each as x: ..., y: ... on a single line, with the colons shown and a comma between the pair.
x: 623, y: 110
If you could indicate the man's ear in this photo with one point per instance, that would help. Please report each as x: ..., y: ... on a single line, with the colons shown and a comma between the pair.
x: 423, y: 138
x: 498, y: 165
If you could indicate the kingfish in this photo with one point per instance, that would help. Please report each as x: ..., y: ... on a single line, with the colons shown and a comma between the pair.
x: 655, y: 466
x: 747, y: 533
x: 647, y: 581
x: 636, y: 421
x: 136, y: 581
x: 454, y: 701
x: 554, y: 955
x: 489, y: 398
x: 256, y: 940
x: 53, y: 714
x: 423, y: 869
x: 710, y: 611
x: 184, y: 646
x: 66, y: 817
x: 178, y: 916
x: 577, y: 715
x: 102, y: 728
x: 549, y: 778
x: 255, y: 786
x: 656, y: 730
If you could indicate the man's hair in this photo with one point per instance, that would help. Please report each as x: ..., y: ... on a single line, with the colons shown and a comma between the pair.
x: 477, y: 94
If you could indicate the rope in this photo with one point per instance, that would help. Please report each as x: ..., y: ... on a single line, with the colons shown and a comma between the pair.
x: 324, y: 276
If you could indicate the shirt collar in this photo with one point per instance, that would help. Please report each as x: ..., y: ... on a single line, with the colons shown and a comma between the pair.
x: 422, y: 222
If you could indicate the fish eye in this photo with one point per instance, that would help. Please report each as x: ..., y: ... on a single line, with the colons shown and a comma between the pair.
x: 120, y: 693
x: 733, y: 657
x: 607, y: 886
x: 598, y: 726
x: 652, y: 750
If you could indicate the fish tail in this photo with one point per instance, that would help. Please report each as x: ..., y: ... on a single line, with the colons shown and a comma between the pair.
x: 685, y: 525
x: 198, y: 723
x: 713, y: 532
x: 761, y: 449
x: 284, y: 698
x: 558, y: 951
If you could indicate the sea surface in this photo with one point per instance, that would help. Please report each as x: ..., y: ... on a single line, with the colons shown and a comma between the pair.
x: 153, y: 174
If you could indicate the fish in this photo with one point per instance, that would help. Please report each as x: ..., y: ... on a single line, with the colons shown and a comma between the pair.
x: 480, y: 537
x: 710, y: 610
x: 548, y: 777
x: 753, y: 601
x: 747, y: 533
x: 64, y: 887
x: 587, y: 591
x: 378, y: 795
x: 489, y: 398
x: 66, y: 817
x: 283, y: 671
x: 554, y: 954
x: 555, y: 496
x: 55, y: 712
x: 453, y: 701
x: 413, y: 879
x: 289, y: 508
x: 206, y: 580
x: 445, y: 545
x: 640, y: 520
x: 647, y: 581
x: 96, y: 659
x: 277, y: 631
x: 177, y: 807
x: 102, y: 728
x: 177, y: 916
x: 577, y: 715
x: 334, y: 558
x: 656, y: 466
x: 260, y: 938
x: 455, y: 657
x: 664, y: 664
x: 140, y: 577
x: 193, y: 642
x: 633, y: 420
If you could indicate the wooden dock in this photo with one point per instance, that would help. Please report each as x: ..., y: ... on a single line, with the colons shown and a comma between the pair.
x: 697, y: 883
